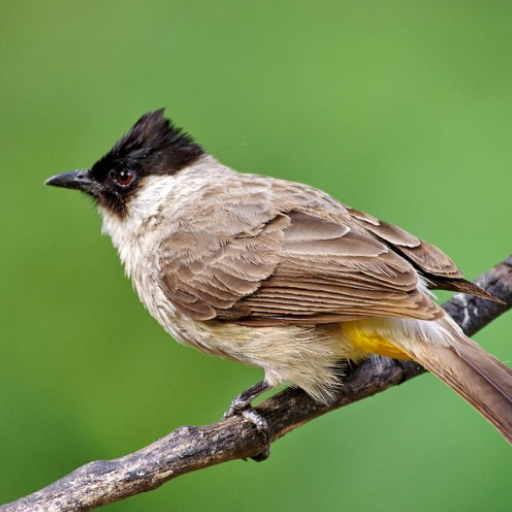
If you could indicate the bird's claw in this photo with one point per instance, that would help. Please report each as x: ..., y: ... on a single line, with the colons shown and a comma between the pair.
x: 241, y: 407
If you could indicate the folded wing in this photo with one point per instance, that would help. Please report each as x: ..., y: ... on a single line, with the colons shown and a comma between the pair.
x: 296, y: 268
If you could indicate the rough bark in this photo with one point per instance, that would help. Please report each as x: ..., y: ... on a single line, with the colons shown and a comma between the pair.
x: 189, y: 448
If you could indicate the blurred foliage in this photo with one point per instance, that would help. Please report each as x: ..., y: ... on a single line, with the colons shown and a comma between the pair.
x: 402, y: 109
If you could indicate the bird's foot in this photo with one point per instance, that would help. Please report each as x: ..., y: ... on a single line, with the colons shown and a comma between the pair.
x: 245, y: 409
x: 241, y: 406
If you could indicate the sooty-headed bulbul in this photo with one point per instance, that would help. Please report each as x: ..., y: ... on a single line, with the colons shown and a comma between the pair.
x: 278, y: 274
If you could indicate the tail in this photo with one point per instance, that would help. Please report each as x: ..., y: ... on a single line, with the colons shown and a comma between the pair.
x: 473, y: 373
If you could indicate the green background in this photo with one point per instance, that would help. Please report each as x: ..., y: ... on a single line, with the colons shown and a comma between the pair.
x: 401, y: 109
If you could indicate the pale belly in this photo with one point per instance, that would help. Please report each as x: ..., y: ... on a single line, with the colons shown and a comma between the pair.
x: 311, y: 358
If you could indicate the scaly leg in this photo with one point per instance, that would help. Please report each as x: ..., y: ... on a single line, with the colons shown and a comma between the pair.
x: 241, y: 404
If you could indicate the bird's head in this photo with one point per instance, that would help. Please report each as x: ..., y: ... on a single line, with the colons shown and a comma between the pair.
x: 152, y: 147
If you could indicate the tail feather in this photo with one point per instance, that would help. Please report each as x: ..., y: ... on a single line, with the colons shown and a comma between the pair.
x: 476, y: 375
x: 497, y: 374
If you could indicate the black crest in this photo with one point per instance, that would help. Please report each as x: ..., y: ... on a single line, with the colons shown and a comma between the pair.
x: 152, y: 146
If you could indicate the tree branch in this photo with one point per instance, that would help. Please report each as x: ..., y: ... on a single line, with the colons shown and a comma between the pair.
x: 189, y: 448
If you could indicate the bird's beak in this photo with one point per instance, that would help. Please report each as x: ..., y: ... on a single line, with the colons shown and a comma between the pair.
x: 77, y: 180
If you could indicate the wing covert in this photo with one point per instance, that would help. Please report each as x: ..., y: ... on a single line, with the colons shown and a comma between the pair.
x: 299, y: 267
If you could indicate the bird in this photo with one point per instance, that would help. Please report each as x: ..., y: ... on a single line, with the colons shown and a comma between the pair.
x: 280, y: 275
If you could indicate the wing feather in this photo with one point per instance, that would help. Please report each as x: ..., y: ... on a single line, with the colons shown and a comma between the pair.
x: 298, y: 267
x: 439, y: 269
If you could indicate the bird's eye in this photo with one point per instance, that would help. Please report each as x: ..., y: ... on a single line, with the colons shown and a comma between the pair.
x: 124, y: 178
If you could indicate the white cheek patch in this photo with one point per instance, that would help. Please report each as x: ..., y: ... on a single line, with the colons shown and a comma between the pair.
x: 146, y: 202
x: 127, y: 233
x: 157, y: 195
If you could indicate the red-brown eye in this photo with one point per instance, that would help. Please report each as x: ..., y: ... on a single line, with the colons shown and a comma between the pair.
x: 124, y: 178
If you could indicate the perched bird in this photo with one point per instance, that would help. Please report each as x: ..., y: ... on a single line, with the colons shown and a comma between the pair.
x: 278, y: 274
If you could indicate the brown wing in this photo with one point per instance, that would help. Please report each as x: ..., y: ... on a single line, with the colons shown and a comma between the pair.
x: 205, y: 275
x: 296, y: 268
x: 439, y: 270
